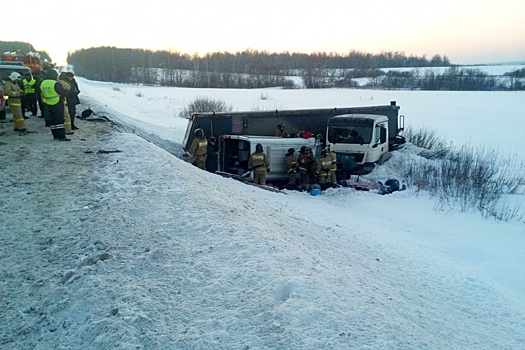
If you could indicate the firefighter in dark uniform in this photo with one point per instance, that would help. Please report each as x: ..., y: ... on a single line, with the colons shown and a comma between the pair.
x: 198, y: 149
x: 312, y: 166
x: 39, y: 77
x: 280, y: 131
x: 53, y: 95
x: 212, y: 156
x: 259, y: 164
x: 290, y: 162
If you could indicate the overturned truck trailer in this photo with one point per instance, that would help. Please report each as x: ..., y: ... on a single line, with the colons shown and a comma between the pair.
x: 379, y: 126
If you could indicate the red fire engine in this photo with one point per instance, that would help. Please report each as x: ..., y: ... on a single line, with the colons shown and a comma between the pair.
x: 30, y: 59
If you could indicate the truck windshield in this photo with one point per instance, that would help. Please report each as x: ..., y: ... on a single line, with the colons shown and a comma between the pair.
x: 350, y: 134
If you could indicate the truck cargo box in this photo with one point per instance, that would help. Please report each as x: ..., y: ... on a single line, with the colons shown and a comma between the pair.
x: 263, y: 123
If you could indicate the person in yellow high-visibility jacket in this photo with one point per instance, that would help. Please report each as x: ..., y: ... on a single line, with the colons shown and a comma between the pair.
x: 52, y: 94
x: 14, y: 94
x: 30, y: 94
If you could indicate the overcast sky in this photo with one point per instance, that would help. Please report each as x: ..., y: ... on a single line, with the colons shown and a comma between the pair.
x: 466, y: 31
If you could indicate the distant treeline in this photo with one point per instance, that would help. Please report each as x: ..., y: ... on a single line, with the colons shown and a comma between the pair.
x: 260, y: 69
x: 453, y: 78
x: 247, y: 69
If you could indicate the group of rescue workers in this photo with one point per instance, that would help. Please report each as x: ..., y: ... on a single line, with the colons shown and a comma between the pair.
x: 56, y: 95
x: 311, y: 171
x: 303, y: 169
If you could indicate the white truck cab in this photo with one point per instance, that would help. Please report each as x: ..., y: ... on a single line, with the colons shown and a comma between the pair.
x: 363, y: 137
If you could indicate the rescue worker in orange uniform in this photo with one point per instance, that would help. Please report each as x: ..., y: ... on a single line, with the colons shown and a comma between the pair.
x: 259, y: 164
x: 14, y: 94
x: 198, y: 149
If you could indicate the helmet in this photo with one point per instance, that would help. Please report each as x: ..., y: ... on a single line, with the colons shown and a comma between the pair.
x: 212, y: 139
x: 199, y: 132
x: 303, y: 149
x: 324, y: 153
x: 280, y: 126
x: 51, y: 74
x: 291, y: 151
x: 258, y: 147
x: 15, y: 76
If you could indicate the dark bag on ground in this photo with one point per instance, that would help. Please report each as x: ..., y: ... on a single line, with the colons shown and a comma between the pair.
x: 86, y: 113
x: 391, y: 185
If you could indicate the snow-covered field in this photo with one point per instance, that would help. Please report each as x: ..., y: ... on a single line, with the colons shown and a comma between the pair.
x: 140, y: 250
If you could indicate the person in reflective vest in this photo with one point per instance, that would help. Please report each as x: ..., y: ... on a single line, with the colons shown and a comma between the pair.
x: 14, y: 99
x: 30, y: 94
x: 53, y: 93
